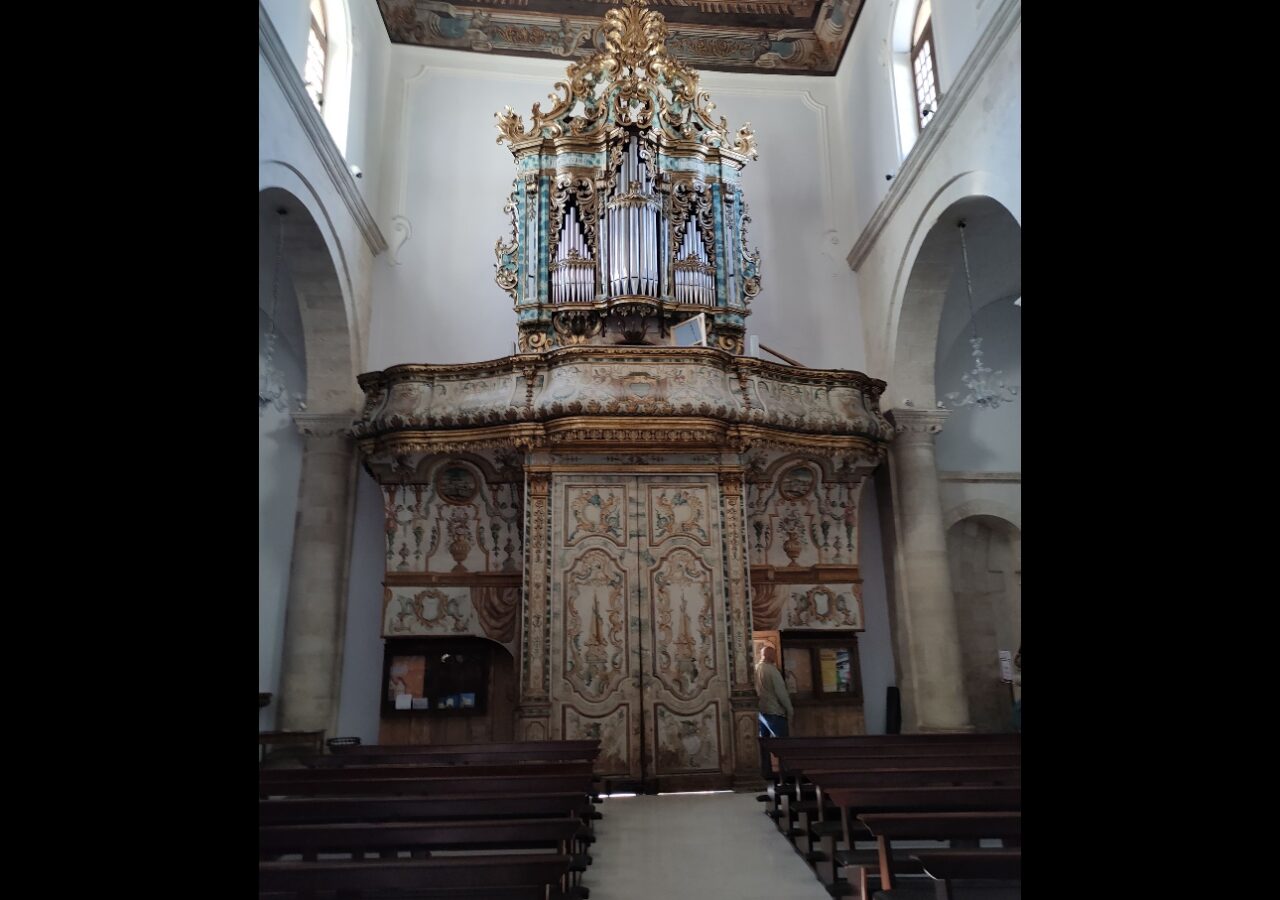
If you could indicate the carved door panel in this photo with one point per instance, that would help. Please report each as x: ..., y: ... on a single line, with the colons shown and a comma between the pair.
x: 682, y: 605
x: 638, y: 625
x: 595, y: 675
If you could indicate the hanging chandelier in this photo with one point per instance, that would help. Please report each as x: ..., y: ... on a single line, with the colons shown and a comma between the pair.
x: 271, y: 388
x: 986, y: 388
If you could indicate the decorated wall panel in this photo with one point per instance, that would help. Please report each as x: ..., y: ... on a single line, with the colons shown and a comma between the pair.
x: 612, y: 729
x: 684, y: 617
x: 428, y: 611
x: 456, y: 522
x: 596, y: 644
x: 802, y: 512
x: 687, y: 742
x: 817, y: 606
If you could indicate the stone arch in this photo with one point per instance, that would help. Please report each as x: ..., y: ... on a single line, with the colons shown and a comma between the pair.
x: 1002, y: 515
x: 921, y: 282
x: 322, y: 282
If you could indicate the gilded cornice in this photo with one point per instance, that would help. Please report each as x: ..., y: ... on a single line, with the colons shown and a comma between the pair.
x: 611, y: 435
x: 617, y: 397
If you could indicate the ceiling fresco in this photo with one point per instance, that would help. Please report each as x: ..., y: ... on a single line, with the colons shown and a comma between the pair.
x: 798, y: 37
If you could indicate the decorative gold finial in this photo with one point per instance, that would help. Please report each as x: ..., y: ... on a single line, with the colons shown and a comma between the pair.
x: 632, y: 81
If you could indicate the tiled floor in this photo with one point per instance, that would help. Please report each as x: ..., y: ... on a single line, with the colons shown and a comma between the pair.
x: 694, y: 847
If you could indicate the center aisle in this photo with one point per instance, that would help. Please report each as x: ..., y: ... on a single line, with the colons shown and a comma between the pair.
x: 694, y: 847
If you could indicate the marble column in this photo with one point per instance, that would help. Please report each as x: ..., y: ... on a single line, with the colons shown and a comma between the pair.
x: 315, y: 619
x: 929, y: 638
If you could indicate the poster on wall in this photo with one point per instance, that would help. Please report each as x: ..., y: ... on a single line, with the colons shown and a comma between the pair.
x: 407, y: 677
x: 1006, y: 665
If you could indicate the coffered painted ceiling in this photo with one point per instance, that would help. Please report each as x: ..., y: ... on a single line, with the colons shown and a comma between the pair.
x: 800, y: 37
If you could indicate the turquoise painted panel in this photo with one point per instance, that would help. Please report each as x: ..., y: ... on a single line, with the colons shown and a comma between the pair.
x: 682, y: 164
x: 544, y: 236
x: 720, y: 260
x: 589, y: 160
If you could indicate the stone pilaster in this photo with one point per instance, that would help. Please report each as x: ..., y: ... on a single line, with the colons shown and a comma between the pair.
x: 929, y: 640
x: 533, y: 716
x: 315, y: 619
x: 736, y: 579
x: 742, y: 700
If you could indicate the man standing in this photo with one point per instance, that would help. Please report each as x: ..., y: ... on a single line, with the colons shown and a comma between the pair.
x: 775, y: 704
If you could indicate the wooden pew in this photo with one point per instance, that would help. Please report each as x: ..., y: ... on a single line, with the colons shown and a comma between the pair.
x: 491, y: 877
x: 938, y: 826
x: 400, y: 770
x: 948, y: 867
x: 558, y: 835
x: 303, y: 810
x: 454, y: 754
x: 807, y: 814
x: 795, y: 754
x: 854, y: 802
x: 871, y: 740
x: 890, y: 744
x: 516, y: 748
x: 799, y: 772
x: 269, y: 786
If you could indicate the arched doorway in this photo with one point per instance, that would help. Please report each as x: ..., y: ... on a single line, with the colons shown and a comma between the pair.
x: 983, y: 552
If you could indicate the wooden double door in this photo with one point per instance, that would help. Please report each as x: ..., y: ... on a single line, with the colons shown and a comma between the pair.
x: 638, y: 627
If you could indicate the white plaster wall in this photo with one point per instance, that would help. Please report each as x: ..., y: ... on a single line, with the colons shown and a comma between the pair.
x: 358, y: 704
x: 370, y: 61
x: 875, y: 645
x: 447, y: 180
x: 866, y: 144
x: 279, y: 467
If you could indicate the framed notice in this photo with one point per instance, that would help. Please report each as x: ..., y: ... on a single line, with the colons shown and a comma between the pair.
x: 406, y: 678
x: 435, y: 676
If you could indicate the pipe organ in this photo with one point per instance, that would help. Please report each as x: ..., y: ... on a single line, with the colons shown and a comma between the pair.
x: 612, y: 522
x: 627, y: 213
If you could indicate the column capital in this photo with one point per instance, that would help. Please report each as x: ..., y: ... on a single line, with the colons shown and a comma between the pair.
x: 908, y: 421
x: 323, y: 424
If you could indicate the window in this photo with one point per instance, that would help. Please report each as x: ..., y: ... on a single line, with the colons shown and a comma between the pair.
x: 924, y: 68
x: 317, y: 54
